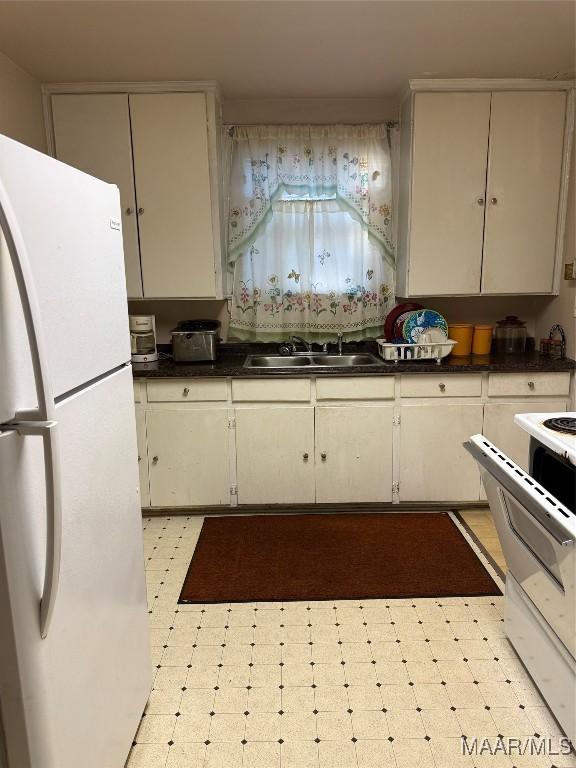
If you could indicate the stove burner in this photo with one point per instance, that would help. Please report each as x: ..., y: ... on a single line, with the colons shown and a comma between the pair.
x: 565, y: 424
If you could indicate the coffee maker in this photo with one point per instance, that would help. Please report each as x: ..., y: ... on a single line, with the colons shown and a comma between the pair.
x: 143, y: 338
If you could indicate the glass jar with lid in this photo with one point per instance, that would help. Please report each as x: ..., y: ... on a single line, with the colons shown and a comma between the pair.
x: 510, y: 336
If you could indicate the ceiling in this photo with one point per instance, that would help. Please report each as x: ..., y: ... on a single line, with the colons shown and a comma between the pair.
x: 296, y: 49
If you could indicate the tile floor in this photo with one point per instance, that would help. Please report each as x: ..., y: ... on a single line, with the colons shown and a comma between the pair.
x: 332, y: 684
x: 482, y: 525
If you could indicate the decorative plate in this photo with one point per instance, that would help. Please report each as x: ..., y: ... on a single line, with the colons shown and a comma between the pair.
x: 390, y: 331
x: 422, y: 320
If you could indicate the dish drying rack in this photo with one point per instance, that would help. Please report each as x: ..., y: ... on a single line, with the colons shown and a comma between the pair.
x: 401, y: 353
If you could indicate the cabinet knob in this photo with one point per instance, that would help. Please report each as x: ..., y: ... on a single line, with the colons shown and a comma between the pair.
x: 155, y: 460
x: 140, y: 211
x: 442, y: 387
x: 185, y: 391
x: 531, y: 385
x: 129, y: 211
x: 480, y: 201
x: 323, y: 455
x: 139, y: 458
x: 305, y: 456
x: 493, y: 201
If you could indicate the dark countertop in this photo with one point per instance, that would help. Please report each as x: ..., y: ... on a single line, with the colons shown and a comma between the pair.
x: 232, y: 356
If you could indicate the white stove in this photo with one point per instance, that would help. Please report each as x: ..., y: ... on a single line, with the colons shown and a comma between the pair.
x: 535, y: 516
x: 555, y: 430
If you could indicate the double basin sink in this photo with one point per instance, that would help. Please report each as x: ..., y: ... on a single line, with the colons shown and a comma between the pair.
x: 312, y: 360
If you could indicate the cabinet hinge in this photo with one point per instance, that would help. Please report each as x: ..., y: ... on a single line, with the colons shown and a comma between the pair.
x: 231, y: 422
x: 233, y: 490
x: 396, y: 420
x: 395, y: 488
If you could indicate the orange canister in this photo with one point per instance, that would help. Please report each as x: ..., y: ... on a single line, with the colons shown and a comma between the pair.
x: 462, y: 333
x: 482, y: 340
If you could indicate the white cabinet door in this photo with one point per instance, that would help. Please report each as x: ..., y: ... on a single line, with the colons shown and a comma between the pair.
x: 450, y: 144
x: 353, y: 453
x: 142, y: 456
x: 188, y: 457
x: 500, y: 429
x: 170, y: 142
x: 434, y: 466
x: 275, y: 455
x: 522, y: 195
x: 92, y: 133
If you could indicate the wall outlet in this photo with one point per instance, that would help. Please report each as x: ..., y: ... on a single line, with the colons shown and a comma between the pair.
x: 570, y: 271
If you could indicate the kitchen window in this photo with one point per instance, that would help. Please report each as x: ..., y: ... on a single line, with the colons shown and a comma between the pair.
x: 310, y: 231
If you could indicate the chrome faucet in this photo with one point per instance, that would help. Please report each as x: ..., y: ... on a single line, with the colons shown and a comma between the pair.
x: 298, y: 339
x: 338, y: 342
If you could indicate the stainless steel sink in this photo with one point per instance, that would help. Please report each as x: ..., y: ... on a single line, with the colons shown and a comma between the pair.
x: 314, y: 361
x: 275, y: 361
x: 344, y: 361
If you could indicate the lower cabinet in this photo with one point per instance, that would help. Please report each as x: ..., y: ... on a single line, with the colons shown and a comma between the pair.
x: 275, y: 455
x: 433, y: 464
x: 353, y: 453
x: 142, y: 457
x: 188, y: 457
x: 299, y: 449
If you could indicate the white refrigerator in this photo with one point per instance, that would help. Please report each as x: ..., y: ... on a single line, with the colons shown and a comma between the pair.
x: 74, y: 652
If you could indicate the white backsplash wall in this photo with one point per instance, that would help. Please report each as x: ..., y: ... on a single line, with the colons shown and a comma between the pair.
x: 170, y: 311
x: 562, y: 309
x: 471, y: 309
x: 486, y: 309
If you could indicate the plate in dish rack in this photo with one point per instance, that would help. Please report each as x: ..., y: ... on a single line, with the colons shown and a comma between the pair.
x: 392, y: 330
x: 422, y: 320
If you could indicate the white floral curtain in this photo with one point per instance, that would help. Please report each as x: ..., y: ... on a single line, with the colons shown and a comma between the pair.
x: 311, y: 231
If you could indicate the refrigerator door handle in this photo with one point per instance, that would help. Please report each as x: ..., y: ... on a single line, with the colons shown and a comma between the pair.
x: 30, y: 306
x: 48, y: 430
x: 43, y: 422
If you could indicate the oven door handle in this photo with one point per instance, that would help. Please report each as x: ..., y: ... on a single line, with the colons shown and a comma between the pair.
x: 521, y: 494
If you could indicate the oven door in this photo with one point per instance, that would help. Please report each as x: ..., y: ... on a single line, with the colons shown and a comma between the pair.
x: 537, y: 534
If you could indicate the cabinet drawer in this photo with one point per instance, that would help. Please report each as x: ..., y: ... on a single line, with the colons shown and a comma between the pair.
x: 432, y: 385
x: 528, y: 384
x: 284, y: 390
x: 187, y: 390
x: 352, y: 388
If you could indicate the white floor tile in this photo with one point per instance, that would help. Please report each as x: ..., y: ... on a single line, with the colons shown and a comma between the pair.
x: 148, y: 756
x: 324, y: 684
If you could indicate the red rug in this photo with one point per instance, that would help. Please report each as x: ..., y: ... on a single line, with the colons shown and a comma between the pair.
x: 332, y: 557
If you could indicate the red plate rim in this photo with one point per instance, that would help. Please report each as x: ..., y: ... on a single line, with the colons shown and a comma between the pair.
x: 395, y: 313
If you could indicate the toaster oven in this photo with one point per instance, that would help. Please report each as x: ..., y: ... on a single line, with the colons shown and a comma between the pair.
x: 195, y: 341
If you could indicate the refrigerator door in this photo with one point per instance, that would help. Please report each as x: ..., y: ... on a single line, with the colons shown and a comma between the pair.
x: 70, y: 226
x: 76, y: 697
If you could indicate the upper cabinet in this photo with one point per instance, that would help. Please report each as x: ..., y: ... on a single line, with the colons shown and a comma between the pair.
x: 523, y: 191
x: 482, y: 198
x: 160, y: 148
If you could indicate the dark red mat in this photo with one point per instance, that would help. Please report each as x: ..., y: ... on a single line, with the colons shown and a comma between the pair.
x: 332, y: 557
